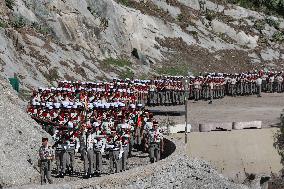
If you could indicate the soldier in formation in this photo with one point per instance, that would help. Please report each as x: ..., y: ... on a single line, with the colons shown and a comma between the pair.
x: 169, y: 90
x: 93, y: 123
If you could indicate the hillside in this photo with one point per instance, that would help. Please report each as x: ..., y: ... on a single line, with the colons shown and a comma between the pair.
x: 20, y: 139
x: 44, y: 41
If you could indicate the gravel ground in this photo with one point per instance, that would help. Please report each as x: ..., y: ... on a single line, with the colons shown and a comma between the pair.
x: 176, y: 171
x: 20, y: 139
x: 138, y: 159
x: 244, y: 108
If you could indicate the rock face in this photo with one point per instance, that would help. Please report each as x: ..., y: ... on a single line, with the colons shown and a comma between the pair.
x: 44, y: 41
x: 20, y: 138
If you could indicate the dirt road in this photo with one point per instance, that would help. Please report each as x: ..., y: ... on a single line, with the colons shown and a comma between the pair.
x: 235, y: 152
x: 245, y: 108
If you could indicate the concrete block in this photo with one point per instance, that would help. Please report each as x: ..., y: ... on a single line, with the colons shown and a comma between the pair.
x: 179, y: 128
x: 247, y: 125
x: 206, y: 127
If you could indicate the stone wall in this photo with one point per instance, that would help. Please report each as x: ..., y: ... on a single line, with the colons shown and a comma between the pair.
x: 175, y: 171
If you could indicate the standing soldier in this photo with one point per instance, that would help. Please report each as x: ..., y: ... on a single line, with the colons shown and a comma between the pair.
x: 211, y: 90
x: 71, y: 152
x: 156, y: 143
x: 271, y: 82
x: 99, y: 144
x: 279, y: 80
x: 114, y: 153
x: 258, y: 84
x: 89, y: 163
x: 196, y: 86
x: 46, y: 155
x: 152, y: 95
x: 233, y: 86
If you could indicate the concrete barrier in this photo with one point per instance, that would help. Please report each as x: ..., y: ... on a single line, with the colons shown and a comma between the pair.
x: 247, y: 125
x: 179, y: 128
x: 207, y: 127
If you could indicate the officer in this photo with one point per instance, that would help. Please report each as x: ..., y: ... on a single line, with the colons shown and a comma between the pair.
x: 46, y: 155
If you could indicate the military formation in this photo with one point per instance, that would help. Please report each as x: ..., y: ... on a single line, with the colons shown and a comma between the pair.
x: 108, y: 120
x: 173, y: 90
x: 94, y: 121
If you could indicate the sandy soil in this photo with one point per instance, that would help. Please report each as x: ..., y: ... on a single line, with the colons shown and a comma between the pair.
x: 244, y: 108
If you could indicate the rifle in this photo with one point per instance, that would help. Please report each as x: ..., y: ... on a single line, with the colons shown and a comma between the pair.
x: 63, y: 136
x: 74, y: 130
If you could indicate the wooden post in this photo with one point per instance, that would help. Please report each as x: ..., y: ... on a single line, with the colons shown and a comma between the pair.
x: 186, y: 120
x: 185, y: 103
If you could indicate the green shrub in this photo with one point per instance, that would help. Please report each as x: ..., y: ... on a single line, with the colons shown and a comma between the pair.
x: 278, y: 37
x: 259, y: 25
x: 194, y: 33
x: 269, y: 6
x: 180, y: 17
x: 118, y: 62
x: 124, y: 2
x: 126, y: 74
x: 172, y: 71
x: 3, y: 24
x: 41, y: 29
x: 272, y: 22
x: 19, y: 22
x: 210, y: 15
x: 10, y: 4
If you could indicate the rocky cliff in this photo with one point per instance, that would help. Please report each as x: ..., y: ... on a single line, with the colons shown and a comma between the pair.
x: 47, y: 40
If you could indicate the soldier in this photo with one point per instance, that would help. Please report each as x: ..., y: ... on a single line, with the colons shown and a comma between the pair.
x: 114, y: 153
x: 259, y: 87
x: 71, y: 154
x: 271, y: 82
x: 155, y: 140
x: 89, y: 163
x: 46, y: 155
x: 196, y: 86
x: 99, y: 145
x: 152, y: 95
x: 211, y: 89
x: 63, y: 156
x: 279, y: 80
x: 124, y: 133
x: 233, y: 86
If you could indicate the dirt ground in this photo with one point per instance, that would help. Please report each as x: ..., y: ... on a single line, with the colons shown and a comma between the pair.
x: 229, y: 109
x: 234, y: 153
